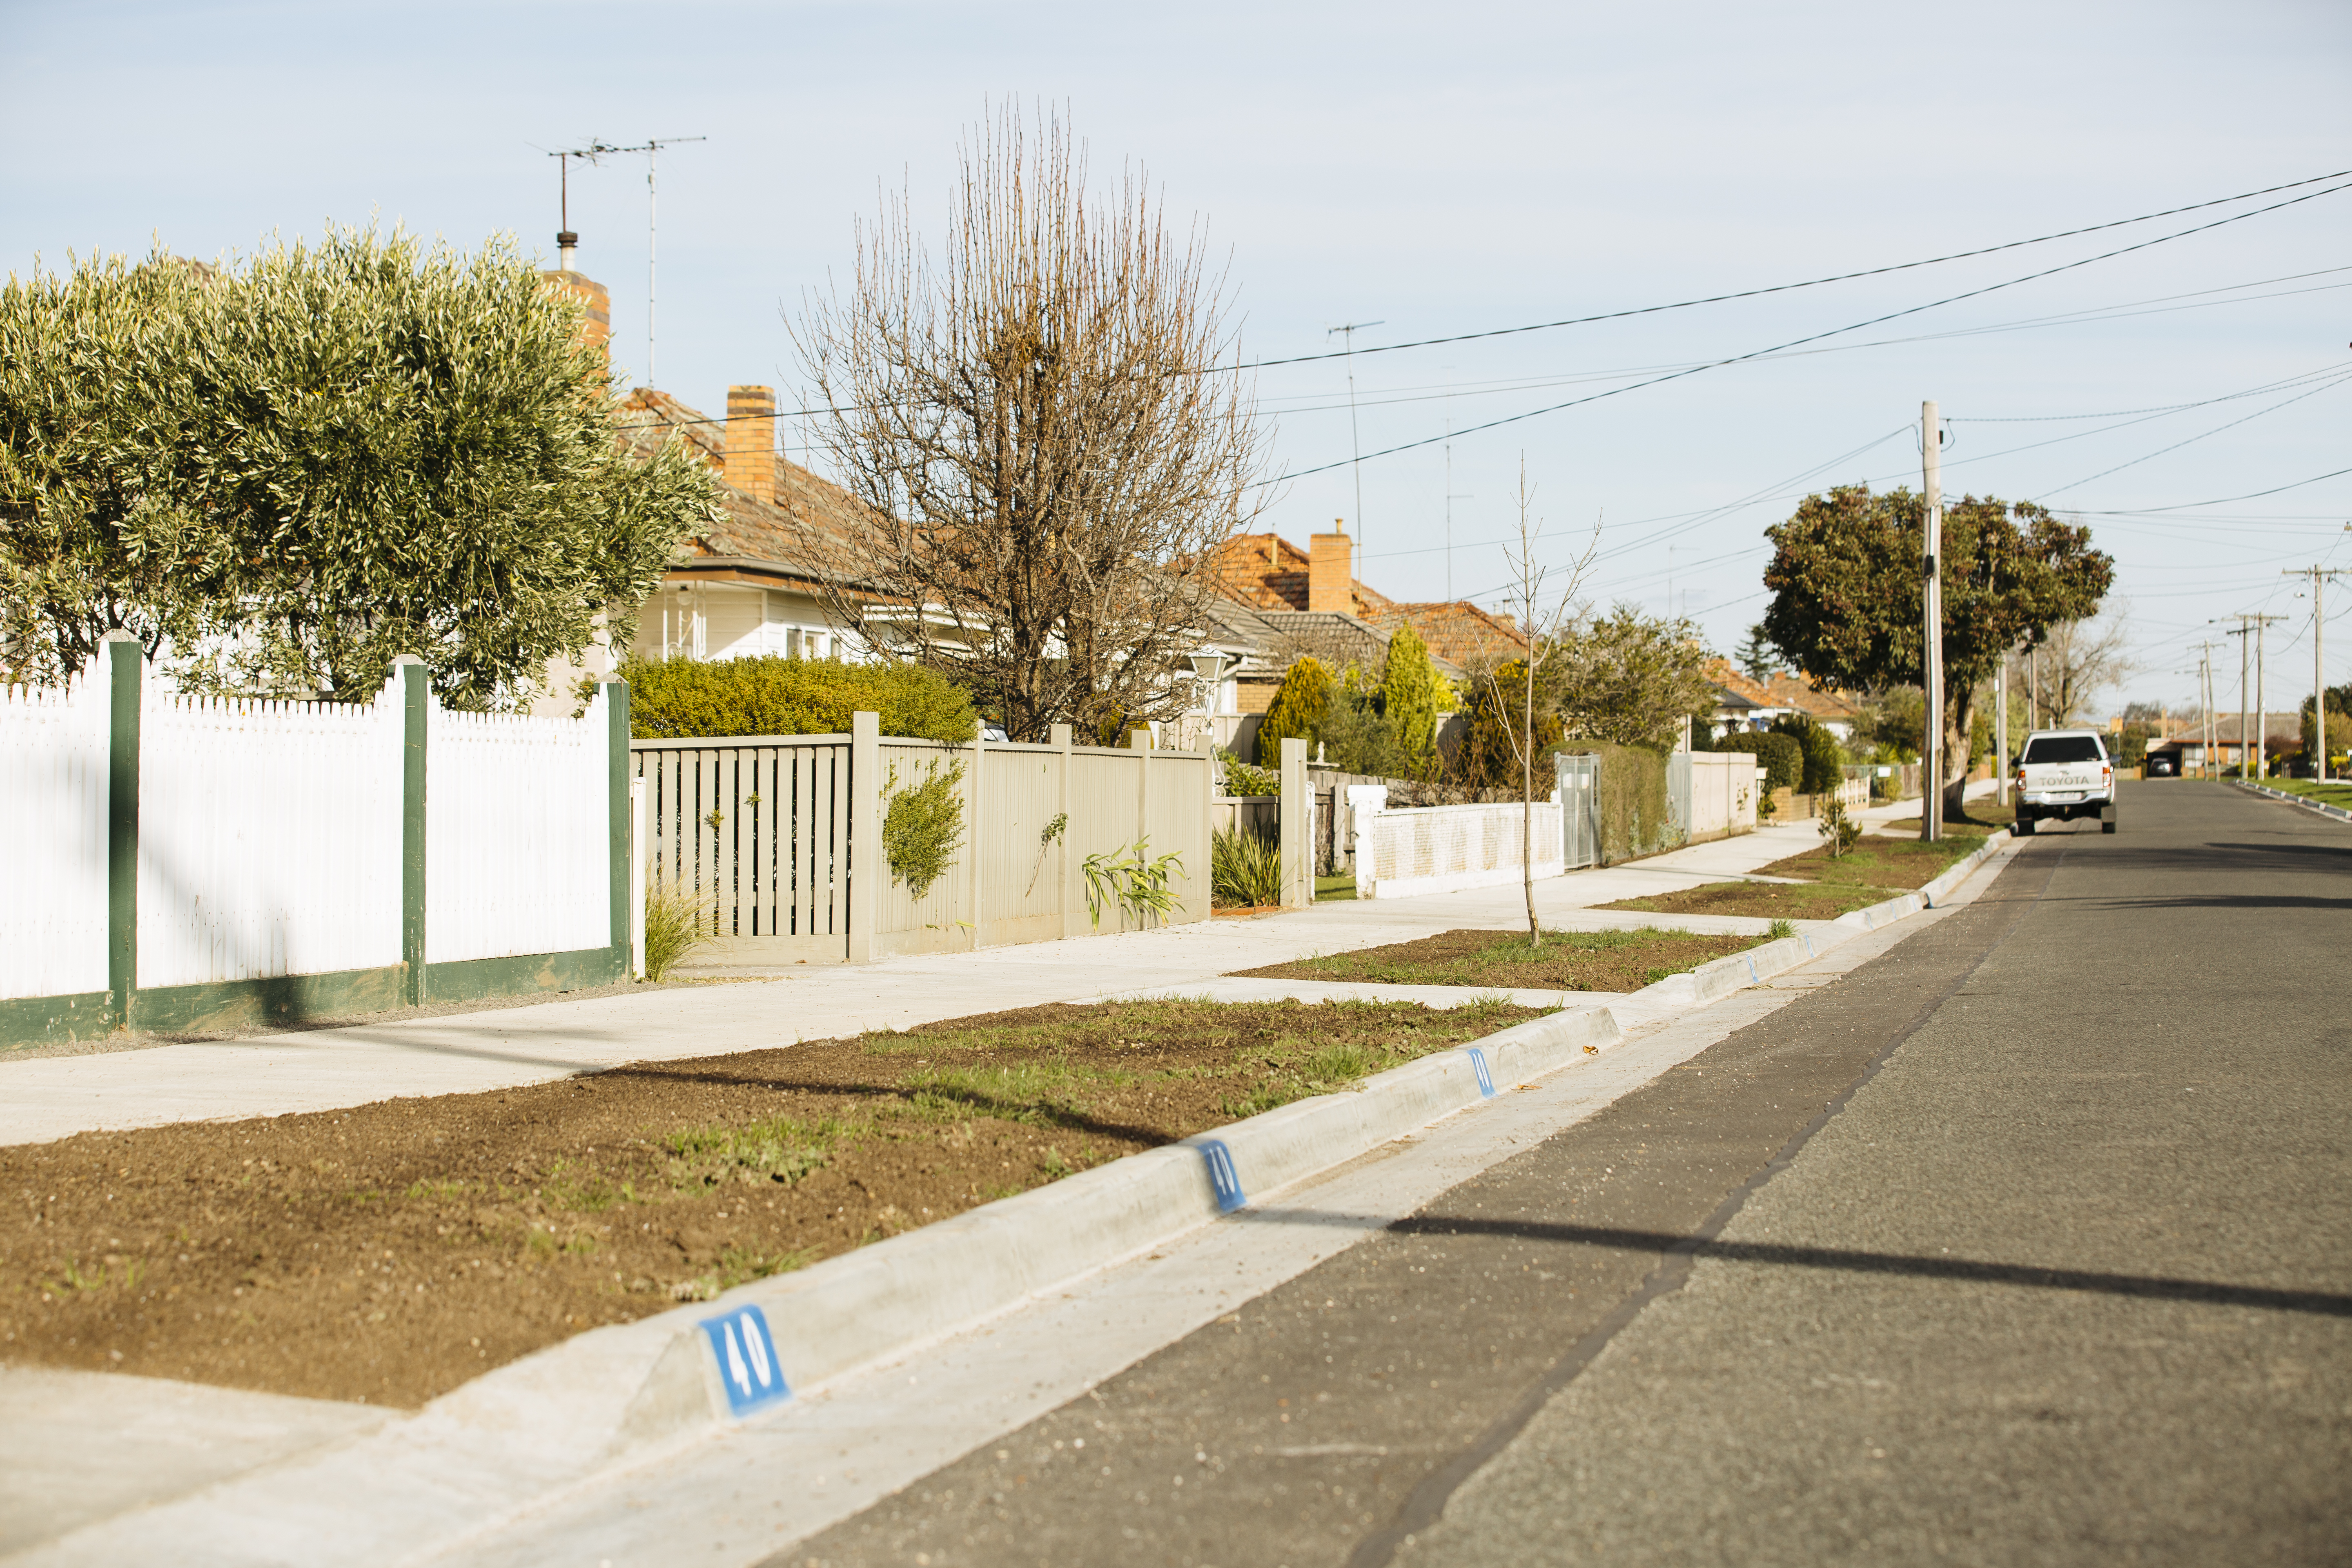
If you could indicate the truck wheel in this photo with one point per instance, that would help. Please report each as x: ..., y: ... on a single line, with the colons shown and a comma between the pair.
x: 2108, y: 826
x: 2025, y: 827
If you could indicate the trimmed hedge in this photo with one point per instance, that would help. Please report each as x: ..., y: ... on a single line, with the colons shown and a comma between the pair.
x: 1634, y: 815
x: 1825, y: 762
x: 684, y: 699
x: 1783, y: 758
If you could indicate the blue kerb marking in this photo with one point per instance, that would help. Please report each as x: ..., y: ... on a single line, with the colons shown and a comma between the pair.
x: 1751, y: 970
x: 746, y: 1354
x: 1478, y: 1065
x: 1222, y: 1177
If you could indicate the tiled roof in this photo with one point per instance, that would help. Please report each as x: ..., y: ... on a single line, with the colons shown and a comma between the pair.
x: 754, y: 529
x: 1783, y: 690
x: 1456, y: 631
x: 1268, y: 572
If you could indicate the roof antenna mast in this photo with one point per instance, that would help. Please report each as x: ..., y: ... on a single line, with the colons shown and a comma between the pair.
x: 1355, y: 444
x: 651, y: 147
x: 567, y: 242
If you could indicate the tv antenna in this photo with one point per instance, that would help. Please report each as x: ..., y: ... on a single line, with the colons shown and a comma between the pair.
x: 1355, y: 443
x: 566, y: 242
x: 651, y: 147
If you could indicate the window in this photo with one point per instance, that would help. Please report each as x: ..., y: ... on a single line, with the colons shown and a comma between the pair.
x: 2063, y: 748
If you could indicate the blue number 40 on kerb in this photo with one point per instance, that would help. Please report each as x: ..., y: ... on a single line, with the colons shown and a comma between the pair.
x: 746, y: 1354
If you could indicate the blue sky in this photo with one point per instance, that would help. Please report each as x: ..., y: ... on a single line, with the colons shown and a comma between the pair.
x: 1436, y: 169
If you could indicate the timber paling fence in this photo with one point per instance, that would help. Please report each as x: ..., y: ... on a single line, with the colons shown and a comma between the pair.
x: 771, y: 838
x: 187, y: 864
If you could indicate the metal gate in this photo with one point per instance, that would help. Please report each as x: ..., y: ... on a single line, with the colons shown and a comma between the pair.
x: 1579, y: 809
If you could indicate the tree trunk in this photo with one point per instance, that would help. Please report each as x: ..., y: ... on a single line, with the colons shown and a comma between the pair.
x: 1527, y: 807
x: 1956, y: 755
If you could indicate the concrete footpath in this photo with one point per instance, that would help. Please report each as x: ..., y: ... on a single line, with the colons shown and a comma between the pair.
x: 47, y: 1097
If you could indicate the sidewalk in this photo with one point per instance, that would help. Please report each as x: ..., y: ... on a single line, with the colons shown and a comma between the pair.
x: 56, y: 1096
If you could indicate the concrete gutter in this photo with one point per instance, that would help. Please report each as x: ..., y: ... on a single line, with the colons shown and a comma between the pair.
x: 565, y: 1419
x: 2338, y: 812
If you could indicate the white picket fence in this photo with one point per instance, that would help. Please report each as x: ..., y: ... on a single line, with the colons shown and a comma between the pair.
x: 270, y: 841
x: 268, y: 837
x: 504, y: 874
x: 53, y: 774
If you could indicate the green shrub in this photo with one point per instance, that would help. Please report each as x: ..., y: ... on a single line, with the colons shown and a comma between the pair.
x: 1783, y: 758
x: 1243, y: 779
x: 1824, y: 764
x: 923, y: 825
x: 685, y: 699
x: 1244, y: 869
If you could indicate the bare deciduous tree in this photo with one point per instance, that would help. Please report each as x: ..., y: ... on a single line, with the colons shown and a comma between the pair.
x: 1035, y: 420
x: 2073, y: 660
x: 1545, y: 607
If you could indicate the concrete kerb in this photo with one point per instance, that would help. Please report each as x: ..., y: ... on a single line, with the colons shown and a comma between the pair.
x: 614, y: 1398
x: 2321, y: 806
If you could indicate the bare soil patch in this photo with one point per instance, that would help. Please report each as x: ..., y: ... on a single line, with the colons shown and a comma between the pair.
x: 1566, y: 961
x: 391, y: 1252
x: 1771, y: 900
x: 1895, y: 865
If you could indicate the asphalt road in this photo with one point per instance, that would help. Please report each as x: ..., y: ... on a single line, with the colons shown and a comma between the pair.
x: 2025, y: 1243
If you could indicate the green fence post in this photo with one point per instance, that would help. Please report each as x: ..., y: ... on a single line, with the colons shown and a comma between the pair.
x: 415, y: 692
x: 616, y: 713
x: 867, y: 879
x: 124, y: 657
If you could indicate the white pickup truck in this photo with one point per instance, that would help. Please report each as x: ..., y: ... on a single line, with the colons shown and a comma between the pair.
x: 2063, y: 774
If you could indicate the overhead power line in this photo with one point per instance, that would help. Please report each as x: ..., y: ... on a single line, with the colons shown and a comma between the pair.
x: 1837, y: 331
x: 2219, y: 501
x: 1835, y: 277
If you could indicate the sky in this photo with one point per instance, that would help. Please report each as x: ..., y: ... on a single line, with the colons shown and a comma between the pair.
x: 1435, y: 171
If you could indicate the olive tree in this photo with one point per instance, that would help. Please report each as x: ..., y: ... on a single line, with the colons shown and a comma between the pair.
x: 283, y: 473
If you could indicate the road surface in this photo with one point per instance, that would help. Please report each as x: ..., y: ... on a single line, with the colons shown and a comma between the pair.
x: 2028, y: 1241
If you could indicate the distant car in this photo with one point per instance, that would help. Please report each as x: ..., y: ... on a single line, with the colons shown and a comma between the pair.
x: 2162, y: 768
x: 2063, y: 774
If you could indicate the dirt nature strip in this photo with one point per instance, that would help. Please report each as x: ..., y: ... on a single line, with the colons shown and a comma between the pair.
x: 1616, y: 961
x: 1893, y: 865
x: 1773, y: 900
x: 391, y: 1252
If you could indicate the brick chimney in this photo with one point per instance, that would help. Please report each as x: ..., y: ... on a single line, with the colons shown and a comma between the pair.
x: 596, y: 324
x: 1329, y: 584
x: 751, y: 440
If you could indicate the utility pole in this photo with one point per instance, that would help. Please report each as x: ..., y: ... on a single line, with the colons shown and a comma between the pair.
x: 2244, y: 634
x: 2001, y: 729
x: 1931, y: 807
x: 2262, y: 699
x: 2318, y: 575
x: 1355, y: 442
x: 2207, y: 731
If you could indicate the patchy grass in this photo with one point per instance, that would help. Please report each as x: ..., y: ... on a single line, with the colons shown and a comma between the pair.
x: 1889, y: 864
x: 1612, y: 960
x: 1771, y: 901
x: 390, y: 1252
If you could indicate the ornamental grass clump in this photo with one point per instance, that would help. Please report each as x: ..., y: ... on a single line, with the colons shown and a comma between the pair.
x: 1244, y: 869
